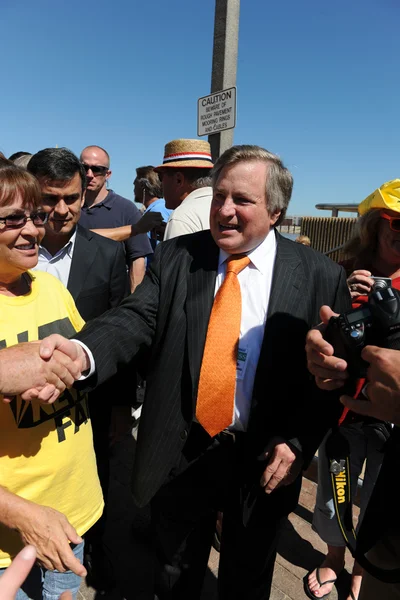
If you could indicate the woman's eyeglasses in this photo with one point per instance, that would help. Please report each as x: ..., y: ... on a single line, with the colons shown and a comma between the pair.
x: 394, y: 222
x: 19, y: 220
x: 96, y: 169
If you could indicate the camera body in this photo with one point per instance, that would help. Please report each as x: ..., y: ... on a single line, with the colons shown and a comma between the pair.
x: 376, y: 323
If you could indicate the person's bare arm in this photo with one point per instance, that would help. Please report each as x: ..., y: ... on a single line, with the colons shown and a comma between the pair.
x: 136, y: 272
x: 118, y: 234
x: 148, y: 222
x: 43, y: 527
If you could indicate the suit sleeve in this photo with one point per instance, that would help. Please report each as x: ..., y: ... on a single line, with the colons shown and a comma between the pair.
x: 119, y: 284
x: 321, y: 409
x: 122, y: 334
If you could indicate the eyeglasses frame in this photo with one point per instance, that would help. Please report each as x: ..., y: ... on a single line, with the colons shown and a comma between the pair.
x: 25, y: 220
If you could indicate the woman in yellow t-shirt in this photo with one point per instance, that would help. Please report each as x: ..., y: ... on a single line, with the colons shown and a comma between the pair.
x: 49, y: 489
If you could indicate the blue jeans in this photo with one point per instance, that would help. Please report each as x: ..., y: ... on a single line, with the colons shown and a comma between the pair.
x: 42, y: 584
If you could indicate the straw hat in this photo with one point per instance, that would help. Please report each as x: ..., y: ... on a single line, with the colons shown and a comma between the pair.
x: 187, y: 153
x: 387, y: 196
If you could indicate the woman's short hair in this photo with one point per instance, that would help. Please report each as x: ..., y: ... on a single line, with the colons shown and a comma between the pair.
x: 17, y: 182
x: 279, y: 183
x: 149, y: 180
x: 303, y: 239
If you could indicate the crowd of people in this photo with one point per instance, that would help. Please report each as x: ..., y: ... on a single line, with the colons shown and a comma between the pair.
x: 199, y: 296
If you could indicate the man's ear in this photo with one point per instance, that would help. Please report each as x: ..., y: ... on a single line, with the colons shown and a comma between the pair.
x: 108, y: 175
x: 83, y: 198
x: 275, y: 216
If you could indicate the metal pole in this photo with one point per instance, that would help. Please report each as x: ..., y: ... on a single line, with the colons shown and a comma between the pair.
x: 224, y: 65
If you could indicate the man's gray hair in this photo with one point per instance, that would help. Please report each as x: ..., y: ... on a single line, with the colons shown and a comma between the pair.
x: 22, y: 161
x: 279, y: 183
x: 201, y: 182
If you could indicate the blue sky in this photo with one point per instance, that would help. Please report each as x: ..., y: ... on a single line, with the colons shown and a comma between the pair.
x: 318, y: 83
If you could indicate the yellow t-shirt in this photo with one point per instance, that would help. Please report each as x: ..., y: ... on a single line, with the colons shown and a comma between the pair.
x: 46, y: 451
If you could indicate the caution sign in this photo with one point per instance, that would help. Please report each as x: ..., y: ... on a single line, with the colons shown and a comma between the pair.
x: 216, y: 112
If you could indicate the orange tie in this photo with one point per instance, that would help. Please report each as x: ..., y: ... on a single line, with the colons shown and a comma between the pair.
x: 216, y: 392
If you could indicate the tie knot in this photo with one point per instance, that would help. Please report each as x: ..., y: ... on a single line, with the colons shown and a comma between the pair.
x: 237, y: 263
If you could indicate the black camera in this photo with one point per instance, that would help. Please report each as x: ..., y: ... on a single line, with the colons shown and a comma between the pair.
x: 376, y: 323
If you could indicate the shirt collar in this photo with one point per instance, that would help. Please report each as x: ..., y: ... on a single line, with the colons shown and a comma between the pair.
x: 67, y: 249
x: 259, y: 254
x: 107, y: 202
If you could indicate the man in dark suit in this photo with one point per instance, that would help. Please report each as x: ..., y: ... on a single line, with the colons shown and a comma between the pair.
x: 94, y: 271
x: 245, y: 363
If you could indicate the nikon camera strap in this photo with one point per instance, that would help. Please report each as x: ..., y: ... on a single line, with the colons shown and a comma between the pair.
x: 338, y: 453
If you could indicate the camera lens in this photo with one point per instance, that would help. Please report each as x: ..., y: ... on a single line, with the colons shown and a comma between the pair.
x: 380, y: 284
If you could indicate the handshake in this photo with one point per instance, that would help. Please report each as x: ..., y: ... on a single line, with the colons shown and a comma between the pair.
x: 41, y: 370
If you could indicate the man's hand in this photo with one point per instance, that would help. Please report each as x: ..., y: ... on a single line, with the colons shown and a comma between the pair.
x: 382, y: 392
x: 22, y: 367
x: 329, y: 371
x: 149, y: 221
x: 57, y: 348
x: 50, y: 532
x: 56, y: 345
x: 283, y: 465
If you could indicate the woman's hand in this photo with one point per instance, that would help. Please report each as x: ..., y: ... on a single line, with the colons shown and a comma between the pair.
x: 360, y: 283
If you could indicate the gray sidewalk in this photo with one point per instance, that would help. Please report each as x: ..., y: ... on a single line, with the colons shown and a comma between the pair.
x: 300, y: 548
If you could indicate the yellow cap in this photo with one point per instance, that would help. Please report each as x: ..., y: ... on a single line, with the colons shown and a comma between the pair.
x: 387, y: 196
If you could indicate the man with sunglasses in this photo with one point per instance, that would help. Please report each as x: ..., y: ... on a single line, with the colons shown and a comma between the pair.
x: 104, y: 209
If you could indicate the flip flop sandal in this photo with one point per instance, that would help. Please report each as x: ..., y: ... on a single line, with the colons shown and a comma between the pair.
x: 307, y: 590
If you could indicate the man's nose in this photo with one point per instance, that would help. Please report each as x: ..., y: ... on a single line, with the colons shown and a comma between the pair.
x: 61, y: 207
x: 227, y: 209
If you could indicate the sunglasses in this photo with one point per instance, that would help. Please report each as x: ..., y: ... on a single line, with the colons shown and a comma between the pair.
x: 96, y: 169
x: 394, y: 222
x: 19, y: 220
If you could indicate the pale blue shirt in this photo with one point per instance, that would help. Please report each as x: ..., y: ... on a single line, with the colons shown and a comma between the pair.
x: 58, y: 265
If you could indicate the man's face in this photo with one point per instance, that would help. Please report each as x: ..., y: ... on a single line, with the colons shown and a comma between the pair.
x: 239, y: 219
x: 62, y: 200
x: 137, y: 191
x: 171, y: 180
x: 94, y: 157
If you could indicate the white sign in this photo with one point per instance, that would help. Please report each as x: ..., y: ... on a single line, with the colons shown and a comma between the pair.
x: 216, y: 112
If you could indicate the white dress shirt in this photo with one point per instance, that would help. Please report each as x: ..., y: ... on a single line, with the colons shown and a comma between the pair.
x: 58, y: 265
x: 255, y: 284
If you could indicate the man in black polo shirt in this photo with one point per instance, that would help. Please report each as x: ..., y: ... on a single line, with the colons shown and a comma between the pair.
x: 104, y: 208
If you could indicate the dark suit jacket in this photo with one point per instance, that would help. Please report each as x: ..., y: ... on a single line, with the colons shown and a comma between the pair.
x: 169, y: 314
x: 98, y: 278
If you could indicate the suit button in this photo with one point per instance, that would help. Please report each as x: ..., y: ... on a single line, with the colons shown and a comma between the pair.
x: 183, y: 434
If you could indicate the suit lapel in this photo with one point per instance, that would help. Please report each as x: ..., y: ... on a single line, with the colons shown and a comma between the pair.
x: 82, y: 260
x: 287, y: 278
x: 287, y: 281
x: 200, y: 297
